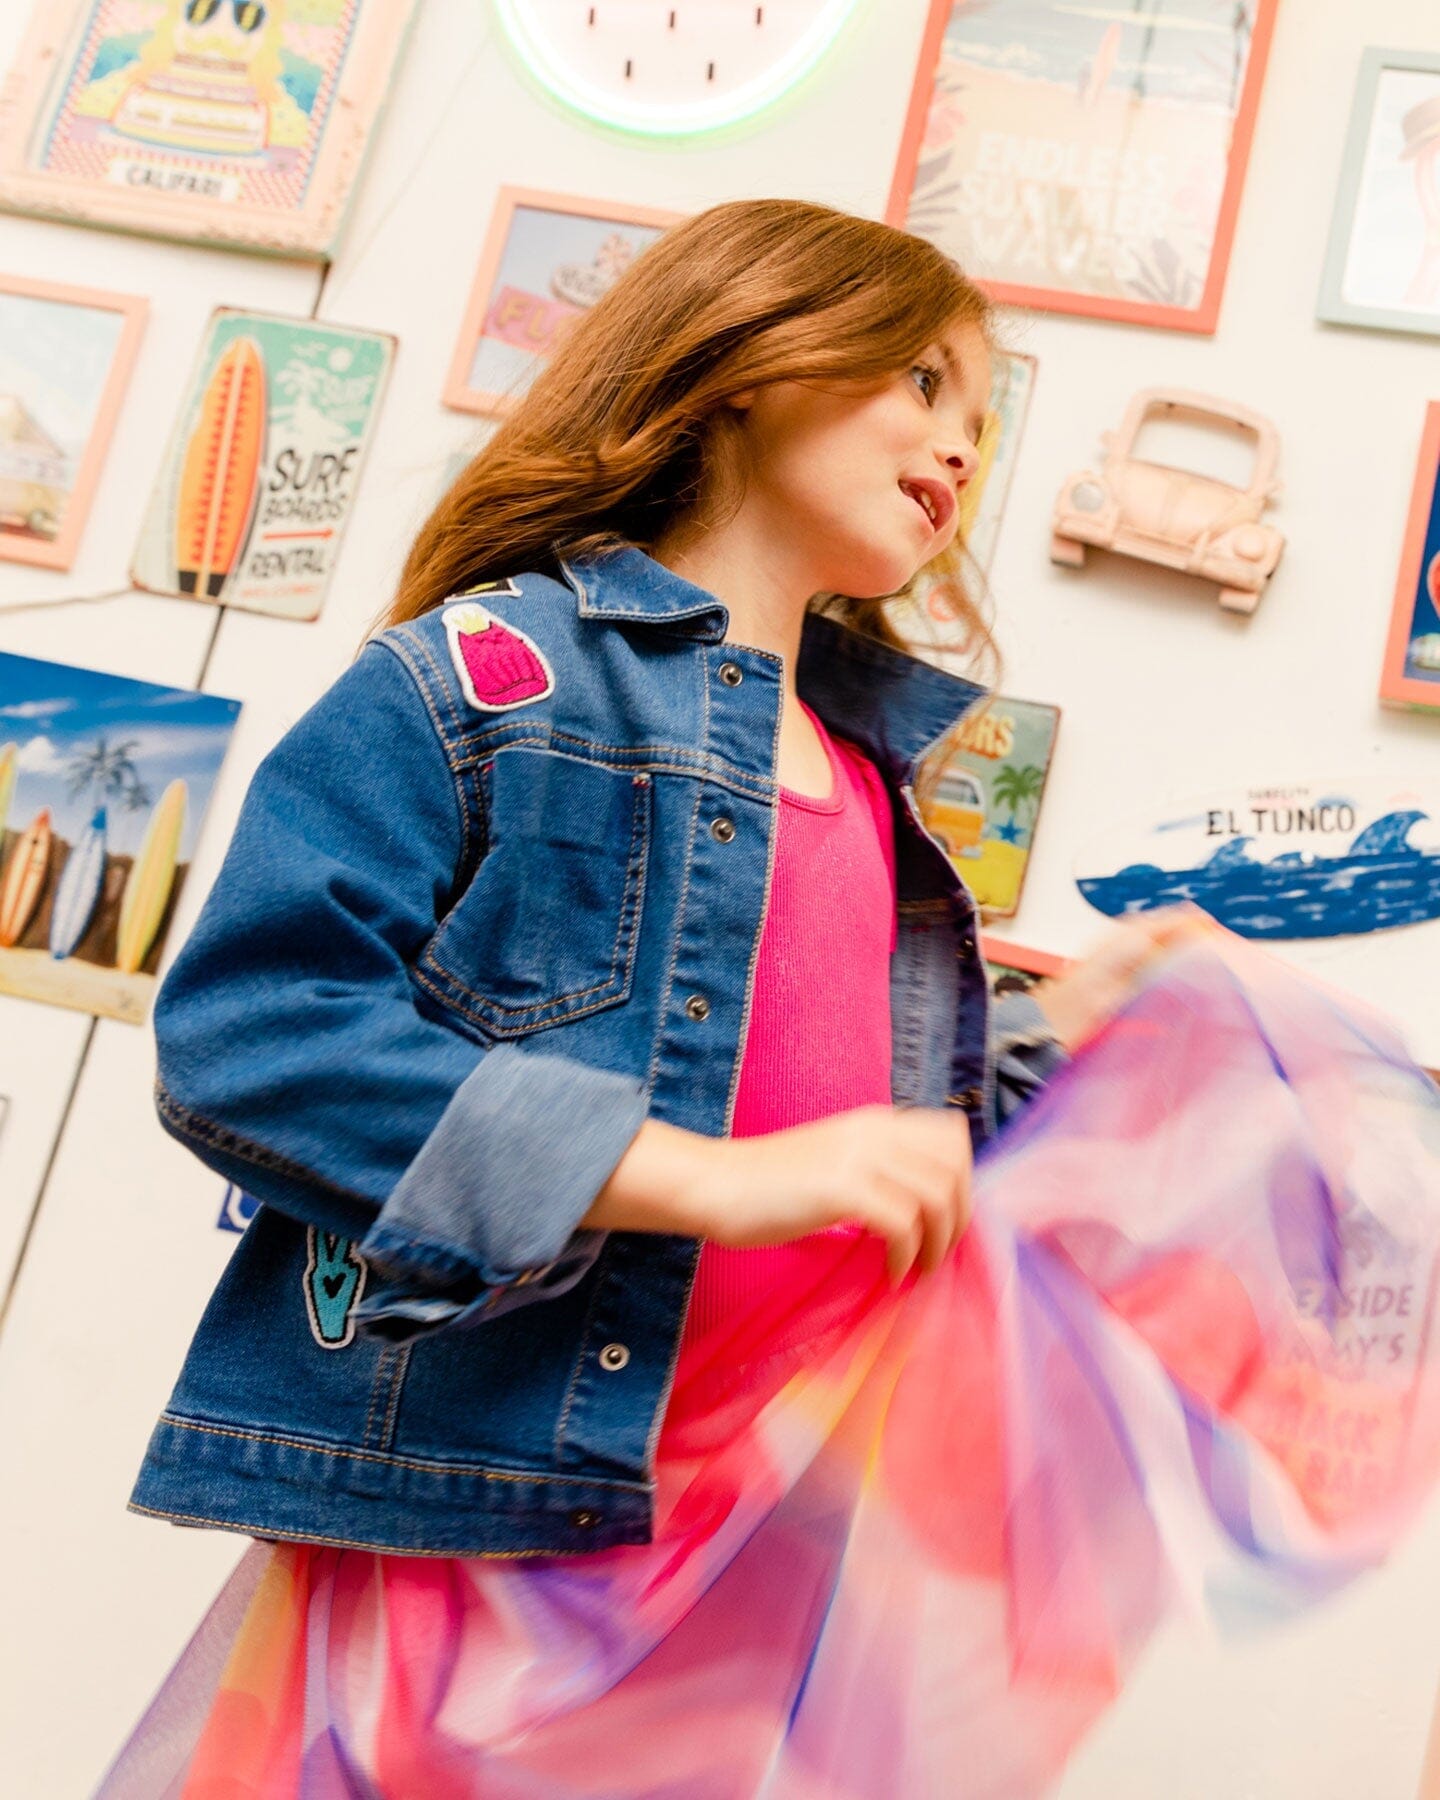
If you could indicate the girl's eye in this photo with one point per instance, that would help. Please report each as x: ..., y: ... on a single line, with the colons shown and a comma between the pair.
x: 927, y: 379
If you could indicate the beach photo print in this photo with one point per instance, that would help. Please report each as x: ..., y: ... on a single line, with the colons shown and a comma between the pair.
x: 1086, y: 158
x: 65, y: 358
x: 262, y: 471
x: 104, y: 784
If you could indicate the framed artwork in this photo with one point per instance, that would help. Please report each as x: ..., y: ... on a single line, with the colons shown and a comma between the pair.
x: 1012, y: 966
x: 261, y: 472
x: 983, y: 794
x: 1334, y: 859
x: 1411, y: 672
x: 1382, y: 266
x: 1086, y: 159
x: 104, y: 784
x: 65, y: 357
x: 234, y: 122
x: 547, y: 257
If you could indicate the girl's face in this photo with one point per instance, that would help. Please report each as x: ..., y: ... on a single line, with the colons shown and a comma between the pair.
x: 860, y: 482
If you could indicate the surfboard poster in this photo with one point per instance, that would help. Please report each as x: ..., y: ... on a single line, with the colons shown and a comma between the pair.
x: 264, y: 465
x: 105, y: 784
x: 1329, y: 860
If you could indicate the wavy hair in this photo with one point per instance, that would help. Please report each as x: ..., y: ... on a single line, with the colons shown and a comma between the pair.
x: 628, y: 424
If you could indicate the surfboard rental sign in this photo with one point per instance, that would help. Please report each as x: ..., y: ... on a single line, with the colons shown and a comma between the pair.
x: 263, y: 469
x: 1331, y: 860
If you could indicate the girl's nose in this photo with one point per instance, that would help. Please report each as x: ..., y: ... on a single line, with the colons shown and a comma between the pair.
x: 962, y: 461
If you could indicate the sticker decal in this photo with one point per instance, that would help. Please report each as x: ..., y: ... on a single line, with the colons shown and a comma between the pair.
x: 334, y: 1282
x: 499, y: 666
x: 237, y: 1209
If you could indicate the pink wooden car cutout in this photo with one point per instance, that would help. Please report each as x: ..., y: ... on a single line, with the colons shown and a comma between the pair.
x: 1166, y: 515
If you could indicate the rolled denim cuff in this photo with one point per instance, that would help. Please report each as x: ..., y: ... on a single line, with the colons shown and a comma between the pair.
x: 1027, y: 1052
x: 494, y: 1196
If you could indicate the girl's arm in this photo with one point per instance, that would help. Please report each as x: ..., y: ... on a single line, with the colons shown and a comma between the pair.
x: 295, y: 1057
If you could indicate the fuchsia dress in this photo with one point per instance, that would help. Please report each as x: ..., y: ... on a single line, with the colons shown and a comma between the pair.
x: 911, y: 1543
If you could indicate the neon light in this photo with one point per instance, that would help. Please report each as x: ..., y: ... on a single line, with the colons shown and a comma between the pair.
x: 537, y: 50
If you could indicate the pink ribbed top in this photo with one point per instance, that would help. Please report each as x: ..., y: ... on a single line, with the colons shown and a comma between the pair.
x: 819, y: 1036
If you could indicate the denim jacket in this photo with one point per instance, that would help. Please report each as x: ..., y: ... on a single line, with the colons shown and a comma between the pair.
x: 494, y: 900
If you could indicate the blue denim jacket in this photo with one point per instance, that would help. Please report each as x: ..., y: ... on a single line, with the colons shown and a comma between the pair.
x: 495, y: 899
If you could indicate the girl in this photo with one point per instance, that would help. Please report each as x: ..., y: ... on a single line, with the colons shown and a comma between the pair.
x: 592, y: 1015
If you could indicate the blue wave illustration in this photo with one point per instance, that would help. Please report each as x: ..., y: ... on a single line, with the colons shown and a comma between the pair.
x: 1380, y: 881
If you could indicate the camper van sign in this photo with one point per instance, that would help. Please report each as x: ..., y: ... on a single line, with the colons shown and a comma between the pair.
x: 1330, y: 860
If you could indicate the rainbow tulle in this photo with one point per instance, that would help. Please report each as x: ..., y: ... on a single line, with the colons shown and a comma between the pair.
x: 1183, y: 1360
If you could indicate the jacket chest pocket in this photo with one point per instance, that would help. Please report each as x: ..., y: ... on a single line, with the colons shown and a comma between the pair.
x: 547, y: 930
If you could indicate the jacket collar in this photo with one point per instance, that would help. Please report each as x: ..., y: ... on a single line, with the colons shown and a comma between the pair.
x: 893, y: 706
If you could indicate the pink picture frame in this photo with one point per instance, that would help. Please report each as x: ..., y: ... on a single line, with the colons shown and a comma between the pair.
x: 1020, y: 956
x: 1410, y: 673
x: 62, y: 381
x: 107, y: 119
x: 546, y: 257
x: 933, y: 113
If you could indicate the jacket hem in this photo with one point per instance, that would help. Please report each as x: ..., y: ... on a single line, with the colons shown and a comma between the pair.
x: 229, y: 1478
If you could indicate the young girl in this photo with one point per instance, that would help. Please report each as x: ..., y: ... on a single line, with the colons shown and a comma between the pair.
x: 594, y: 1018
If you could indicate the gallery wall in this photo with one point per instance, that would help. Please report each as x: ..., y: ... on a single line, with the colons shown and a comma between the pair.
x: 109, y: 1233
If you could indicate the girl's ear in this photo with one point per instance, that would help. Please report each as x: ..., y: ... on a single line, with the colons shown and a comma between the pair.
x: 743, y: 401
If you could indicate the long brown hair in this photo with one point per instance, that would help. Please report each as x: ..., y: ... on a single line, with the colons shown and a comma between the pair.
x: 627, y: 421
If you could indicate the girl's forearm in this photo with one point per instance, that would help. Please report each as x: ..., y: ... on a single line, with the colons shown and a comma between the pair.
x: 656, y: 1184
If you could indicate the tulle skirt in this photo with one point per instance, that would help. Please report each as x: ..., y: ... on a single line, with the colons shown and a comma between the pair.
x: 912, y: 1543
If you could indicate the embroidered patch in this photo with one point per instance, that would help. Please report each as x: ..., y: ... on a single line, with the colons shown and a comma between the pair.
x: 499, y: 666
x: 334, y: 1282
x: 489, y: 587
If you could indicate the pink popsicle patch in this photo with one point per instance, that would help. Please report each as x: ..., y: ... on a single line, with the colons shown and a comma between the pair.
x: 498, y: 665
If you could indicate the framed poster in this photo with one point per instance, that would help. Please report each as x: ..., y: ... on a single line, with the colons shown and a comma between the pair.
x: 1382, y: 267
x: 1086, y: 159
x: 262, y: 469
x: 104, y: 783
x: 547, y: 257
x: 231, y: 122
x: 1411, y: 672
x: 65, y: 357
x: 982, y: 797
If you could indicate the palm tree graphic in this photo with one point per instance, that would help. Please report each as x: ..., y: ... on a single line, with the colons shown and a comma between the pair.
x: 1015, y: 788
x: 103, y: 772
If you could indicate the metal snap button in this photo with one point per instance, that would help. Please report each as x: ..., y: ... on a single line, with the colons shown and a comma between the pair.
x: 584, y: 1520
x: 722, y: 830
x: 731, y: 674
x: 697, y: 1007
x: 614, y: 1356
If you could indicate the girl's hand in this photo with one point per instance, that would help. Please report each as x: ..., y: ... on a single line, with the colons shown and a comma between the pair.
x: 904, y: 1174
x: 1080, y: 1001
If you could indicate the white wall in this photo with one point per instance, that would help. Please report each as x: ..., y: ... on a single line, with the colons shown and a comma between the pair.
x: 1162, y: 695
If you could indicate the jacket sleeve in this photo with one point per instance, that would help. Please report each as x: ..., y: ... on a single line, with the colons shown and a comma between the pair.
x: 1025, y: 1050
x: 296, y: 1056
